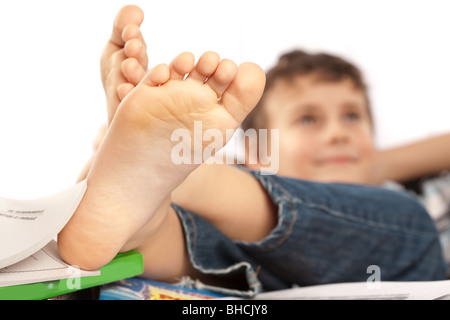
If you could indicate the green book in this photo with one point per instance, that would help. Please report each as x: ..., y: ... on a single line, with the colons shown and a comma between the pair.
x: 30, y: 264
x: 124, y: 265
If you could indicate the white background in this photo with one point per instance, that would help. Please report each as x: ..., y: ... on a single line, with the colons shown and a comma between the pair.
x: 52, y: 102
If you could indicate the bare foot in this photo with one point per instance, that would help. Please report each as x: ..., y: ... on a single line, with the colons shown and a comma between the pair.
x: 123, y: 64
x: 124, y: 58
x: 133, y: 174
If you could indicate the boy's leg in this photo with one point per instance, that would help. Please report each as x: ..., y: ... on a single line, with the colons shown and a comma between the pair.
x: 121, y: 70
x: 118, y: 79
x: 252, y: 207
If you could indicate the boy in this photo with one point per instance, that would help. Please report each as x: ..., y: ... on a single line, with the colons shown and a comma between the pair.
x: 320, y: 105
x: 311, y: 86
x: 249, y: 232
x: 319, y: 102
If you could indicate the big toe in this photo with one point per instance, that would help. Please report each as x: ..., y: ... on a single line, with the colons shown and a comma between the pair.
x: 129, y: 14
x: 245, y: 90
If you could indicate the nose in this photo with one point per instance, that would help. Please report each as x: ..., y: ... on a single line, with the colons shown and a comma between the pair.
x: 336, y: 133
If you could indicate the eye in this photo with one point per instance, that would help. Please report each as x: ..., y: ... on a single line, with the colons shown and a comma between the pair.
x: 308, y: 120
x: 352, y: 117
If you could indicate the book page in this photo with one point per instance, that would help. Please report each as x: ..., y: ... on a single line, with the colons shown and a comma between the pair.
x: 28, y: 225
x: 44, y: 265
x: 384, y: 290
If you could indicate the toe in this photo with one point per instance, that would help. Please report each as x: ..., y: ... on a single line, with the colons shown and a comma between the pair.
x: 132, y: 31
x: 244, y: 92
x: 157, y: 75
x: 181, y: 65
x: 205, y: 67
x: 129, y: 14
x: 133, y: 71
x: 135, y: 48
x: 223, y: 76
x: 124, y: 89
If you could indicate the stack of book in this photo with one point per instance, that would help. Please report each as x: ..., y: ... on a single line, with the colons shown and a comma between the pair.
x: 30, y: 265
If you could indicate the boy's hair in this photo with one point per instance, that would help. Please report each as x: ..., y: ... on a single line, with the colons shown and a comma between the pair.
x: 299, y: 63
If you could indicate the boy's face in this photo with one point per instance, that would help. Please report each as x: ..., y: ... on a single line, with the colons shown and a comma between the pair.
x: 325, y: 130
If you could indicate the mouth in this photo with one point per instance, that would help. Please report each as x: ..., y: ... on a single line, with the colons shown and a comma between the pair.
x: 337, y: 160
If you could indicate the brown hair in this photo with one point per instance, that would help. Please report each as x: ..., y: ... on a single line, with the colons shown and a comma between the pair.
x: 325, y: 66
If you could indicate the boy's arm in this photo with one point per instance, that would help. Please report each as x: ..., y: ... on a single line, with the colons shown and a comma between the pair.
x: 425, y: 157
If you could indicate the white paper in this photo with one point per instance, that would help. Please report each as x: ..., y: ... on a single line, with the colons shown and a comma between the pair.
x: 26, y: 226
x: 383, y: 290
x: 44, y: 265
